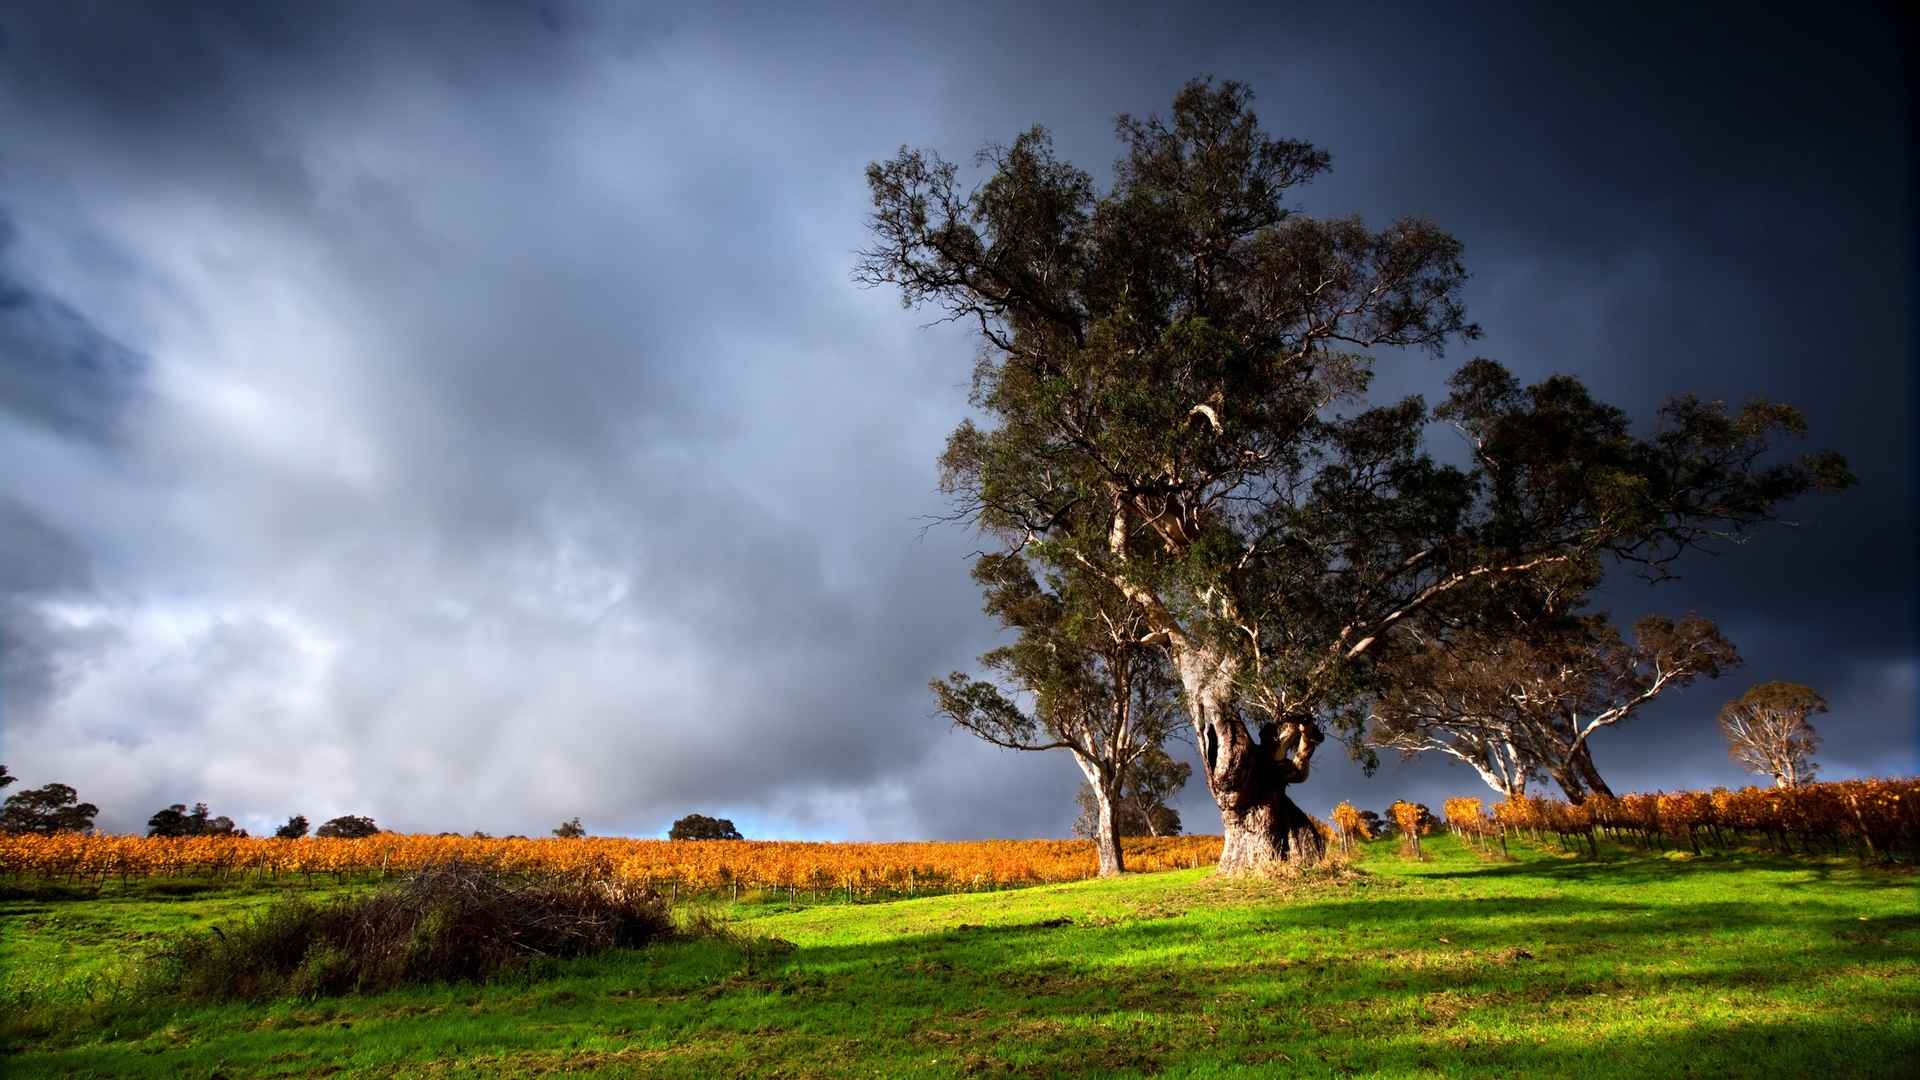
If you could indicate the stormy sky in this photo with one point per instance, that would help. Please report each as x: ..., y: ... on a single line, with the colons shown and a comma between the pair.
x: 461, y: 413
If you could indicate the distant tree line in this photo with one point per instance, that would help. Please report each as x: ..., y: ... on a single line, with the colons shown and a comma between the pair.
x: 56, y: 808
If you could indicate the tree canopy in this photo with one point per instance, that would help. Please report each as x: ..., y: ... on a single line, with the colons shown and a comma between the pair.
x: 177, y: 820
x: 54, y: 808
x: 348, y: 827
x: 702, y: 827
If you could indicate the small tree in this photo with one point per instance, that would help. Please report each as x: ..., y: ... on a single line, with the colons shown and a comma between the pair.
x: 1086, y: 662
x: 1768, y: 732
x: 348, y: 827
x: 177, y: 820
x: 701, y: 827
x: 1152, y: 782
x: 55, y: 808
x: 1526, y: 695
x: 6, y: 777
x: 1141, y: 808
x: 1375, y: 825
x: 570, y: 829
x: 294, y: 829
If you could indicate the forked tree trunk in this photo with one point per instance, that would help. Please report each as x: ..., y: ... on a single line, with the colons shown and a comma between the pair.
x: 1569, y: 782
x: 1263, y: 830
x: 1583, y: 761
x: 1105, y: 783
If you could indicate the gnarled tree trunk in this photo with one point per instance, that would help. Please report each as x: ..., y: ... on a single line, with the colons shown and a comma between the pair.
x: 1264, y: 831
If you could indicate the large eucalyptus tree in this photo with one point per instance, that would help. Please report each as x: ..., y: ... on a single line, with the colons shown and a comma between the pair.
x: 1174, y: 375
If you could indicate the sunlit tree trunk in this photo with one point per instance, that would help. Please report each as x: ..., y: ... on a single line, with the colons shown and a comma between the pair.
x: 1105, y: 782
x: 1263, y: 830
x: 1112, y: 862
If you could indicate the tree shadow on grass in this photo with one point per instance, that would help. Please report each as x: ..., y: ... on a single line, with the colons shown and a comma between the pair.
x: 1322, y: 984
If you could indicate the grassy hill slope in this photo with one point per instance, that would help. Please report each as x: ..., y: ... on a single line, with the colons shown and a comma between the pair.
x: 1633, y: 966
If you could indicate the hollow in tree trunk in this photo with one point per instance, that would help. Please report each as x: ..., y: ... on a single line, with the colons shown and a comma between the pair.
x: 1263, y: 830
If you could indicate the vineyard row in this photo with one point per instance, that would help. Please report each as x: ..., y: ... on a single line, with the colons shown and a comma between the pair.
x: 684, y: 866
x: 1873, y: 818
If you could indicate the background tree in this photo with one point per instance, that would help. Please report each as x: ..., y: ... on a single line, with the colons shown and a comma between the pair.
x: 1375, y: 825
x: 701, y: 827
x: 1525, y: 698
x: 348, y: 827
x: 1099, y: 687
x: 1141, y: 808
x: 6, y: 777
x: 294, y: 829
x: 1768, y: 731
x: 177, y: 820
x: 55, y: 808
x: 1174, y: 375
x: 570, y: 829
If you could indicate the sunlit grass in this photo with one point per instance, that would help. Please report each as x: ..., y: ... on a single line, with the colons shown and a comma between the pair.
x: 1634, y: 966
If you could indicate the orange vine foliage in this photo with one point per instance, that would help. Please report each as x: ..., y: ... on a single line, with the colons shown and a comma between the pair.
x: 1351, y: 826
x: 1407, y: 816
x: 691, y: 866
x: 1880, y: 816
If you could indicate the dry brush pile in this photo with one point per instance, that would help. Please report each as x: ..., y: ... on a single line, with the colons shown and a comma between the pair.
x: 449, y: 921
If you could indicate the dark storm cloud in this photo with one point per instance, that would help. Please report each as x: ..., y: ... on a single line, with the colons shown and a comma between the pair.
x: 505, y: 441
x: 56, y: 368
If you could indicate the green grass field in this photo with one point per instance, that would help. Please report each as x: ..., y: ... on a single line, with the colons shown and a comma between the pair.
x: 1636, y: 965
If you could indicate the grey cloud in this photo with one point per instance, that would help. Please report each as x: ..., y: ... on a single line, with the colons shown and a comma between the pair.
x: 497, y: 436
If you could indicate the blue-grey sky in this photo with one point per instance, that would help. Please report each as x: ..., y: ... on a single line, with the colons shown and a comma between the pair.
x: 461, y: 413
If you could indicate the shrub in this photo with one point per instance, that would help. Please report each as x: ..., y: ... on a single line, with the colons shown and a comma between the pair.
x: 448, y: 922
